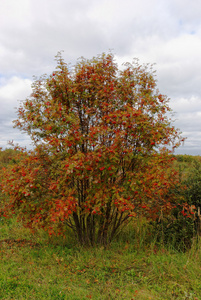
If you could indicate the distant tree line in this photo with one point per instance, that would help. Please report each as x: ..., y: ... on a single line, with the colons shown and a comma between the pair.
x: 7, y: 156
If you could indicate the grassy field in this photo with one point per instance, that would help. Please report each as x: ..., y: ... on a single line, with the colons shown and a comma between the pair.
x: 134, y: 267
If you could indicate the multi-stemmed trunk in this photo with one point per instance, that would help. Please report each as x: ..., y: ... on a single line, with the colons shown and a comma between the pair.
x: 97, y: 230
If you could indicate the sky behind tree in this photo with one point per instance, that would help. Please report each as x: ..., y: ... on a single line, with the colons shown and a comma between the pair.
x: 164, y: 32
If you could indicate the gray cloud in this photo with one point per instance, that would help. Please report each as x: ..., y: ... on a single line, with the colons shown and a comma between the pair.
x: 165, y: 32
x: 11, y: 91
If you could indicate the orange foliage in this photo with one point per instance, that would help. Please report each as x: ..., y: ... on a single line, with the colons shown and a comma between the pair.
x: 101, y: 138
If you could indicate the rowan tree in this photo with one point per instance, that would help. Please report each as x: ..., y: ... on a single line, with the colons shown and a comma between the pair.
x: 102, y: 144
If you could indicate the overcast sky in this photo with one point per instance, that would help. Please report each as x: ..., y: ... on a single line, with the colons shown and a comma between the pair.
x: 165, y: 32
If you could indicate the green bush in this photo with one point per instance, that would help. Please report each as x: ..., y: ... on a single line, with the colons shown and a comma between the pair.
x: 175, y: 231
x: 193, y: 185
x: 184, y: 158
x: 178, y: 229
x: 7, y: 156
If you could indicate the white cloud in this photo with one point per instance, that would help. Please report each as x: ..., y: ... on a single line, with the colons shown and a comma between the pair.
x: 165, y: 32
x: 12, y: 90
x: 186, y: 105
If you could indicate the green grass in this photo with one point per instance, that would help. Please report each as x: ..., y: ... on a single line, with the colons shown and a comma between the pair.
x: 37, y: 267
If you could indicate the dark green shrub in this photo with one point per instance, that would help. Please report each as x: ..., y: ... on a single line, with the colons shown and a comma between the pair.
x: 176, y: 230
x: 7, y: 156
x: 184, y: 158
x: 181, y: 226
x: 193, y: 185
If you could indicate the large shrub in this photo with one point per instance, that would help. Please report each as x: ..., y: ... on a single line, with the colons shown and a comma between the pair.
x: 100, y: 154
